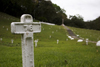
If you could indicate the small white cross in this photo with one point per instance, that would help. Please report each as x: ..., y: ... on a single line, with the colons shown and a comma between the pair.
x: 57, y: 41
x: 7, y: 29
x: 87, y: 41
x: 3, y: 26
x: 36, y: 43
x: 12, y: 41
x: 52, y: 31
x: 50, y: 36
x: 1, y: 39
x: 66, y: 39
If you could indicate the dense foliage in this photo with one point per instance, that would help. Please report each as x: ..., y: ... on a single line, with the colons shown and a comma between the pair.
x: 40, y: 10
x: 45, y: 11
x: 95, y: 24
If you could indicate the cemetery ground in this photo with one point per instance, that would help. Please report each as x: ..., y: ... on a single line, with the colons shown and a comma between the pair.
x: 48, y: 53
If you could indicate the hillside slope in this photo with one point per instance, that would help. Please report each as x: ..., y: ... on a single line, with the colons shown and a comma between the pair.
x: 48, y: 53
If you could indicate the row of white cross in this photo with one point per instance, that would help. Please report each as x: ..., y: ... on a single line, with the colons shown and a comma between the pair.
x: 11, y: 40
x: 36, y: 41
x: 6, y: 29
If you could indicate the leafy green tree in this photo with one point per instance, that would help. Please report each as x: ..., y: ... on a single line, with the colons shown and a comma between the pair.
x: 76, y: 21
x: 60, y: 11
x: 94, y: 24
x: 45, y: 10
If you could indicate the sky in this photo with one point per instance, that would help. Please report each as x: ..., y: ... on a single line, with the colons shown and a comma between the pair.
x: 88, y: 9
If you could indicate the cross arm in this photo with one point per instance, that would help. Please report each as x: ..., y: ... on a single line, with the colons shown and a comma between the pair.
x: 20, y: 28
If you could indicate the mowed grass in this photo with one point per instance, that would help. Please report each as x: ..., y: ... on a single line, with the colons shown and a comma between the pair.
x: 67, y: 54
x: 92, y: 35
x: 48, y: 53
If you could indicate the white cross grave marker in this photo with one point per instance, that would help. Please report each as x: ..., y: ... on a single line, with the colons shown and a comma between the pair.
x: 1, y: 39
x: 52, y: 31
x: 66, y: 39
x: 87, y: 41
x: 26, y: 27
x: 3, y: 26
x: 12, y: 41
x: 36, y: 43
x: 50, y: 36
x: 57, y: 41
x: 7, y: 29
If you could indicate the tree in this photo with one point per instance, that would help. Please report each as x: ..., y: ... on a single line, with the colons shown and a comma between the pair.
x: 60, y: 11
x: 76, y: 21
x: 45, y: 10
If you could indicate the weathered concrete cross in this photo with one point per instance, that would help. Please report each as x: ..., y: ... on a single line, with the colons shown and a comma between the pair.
x: 26, y: 27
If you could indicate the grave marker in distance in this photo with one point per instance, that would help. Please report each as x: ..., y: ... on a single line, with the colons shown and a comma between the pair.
x: 1, y: 39
x: 87, y: 41
x: 36, y: 43
x: 57, y: 41
x: 12, y: 41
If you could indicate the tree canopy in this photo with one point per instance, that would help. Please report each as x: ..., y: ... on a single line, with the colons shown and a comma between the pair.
x: 40, y: 9
x: 45, y: 11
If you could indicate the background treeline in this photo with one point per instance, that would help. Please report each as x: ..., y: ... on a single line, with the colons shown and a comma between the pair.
x: 94, y: 24
x: 41, y: 10
x: 78, y: 21
x: 45, y: 11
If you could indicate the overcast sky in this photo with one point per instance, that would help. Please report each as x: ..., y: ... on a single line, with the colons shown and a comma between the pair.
x: 88, y: 9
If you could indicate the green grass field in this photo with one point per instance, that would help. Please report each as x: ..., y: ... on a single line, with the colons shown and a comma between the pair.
x: 48, y: 53
x: 92, y: 35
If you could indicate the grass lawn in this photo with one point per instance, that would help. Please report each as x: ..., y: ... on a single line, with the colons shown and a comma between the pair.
x: 48, y: 53
x: 93, y: 35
